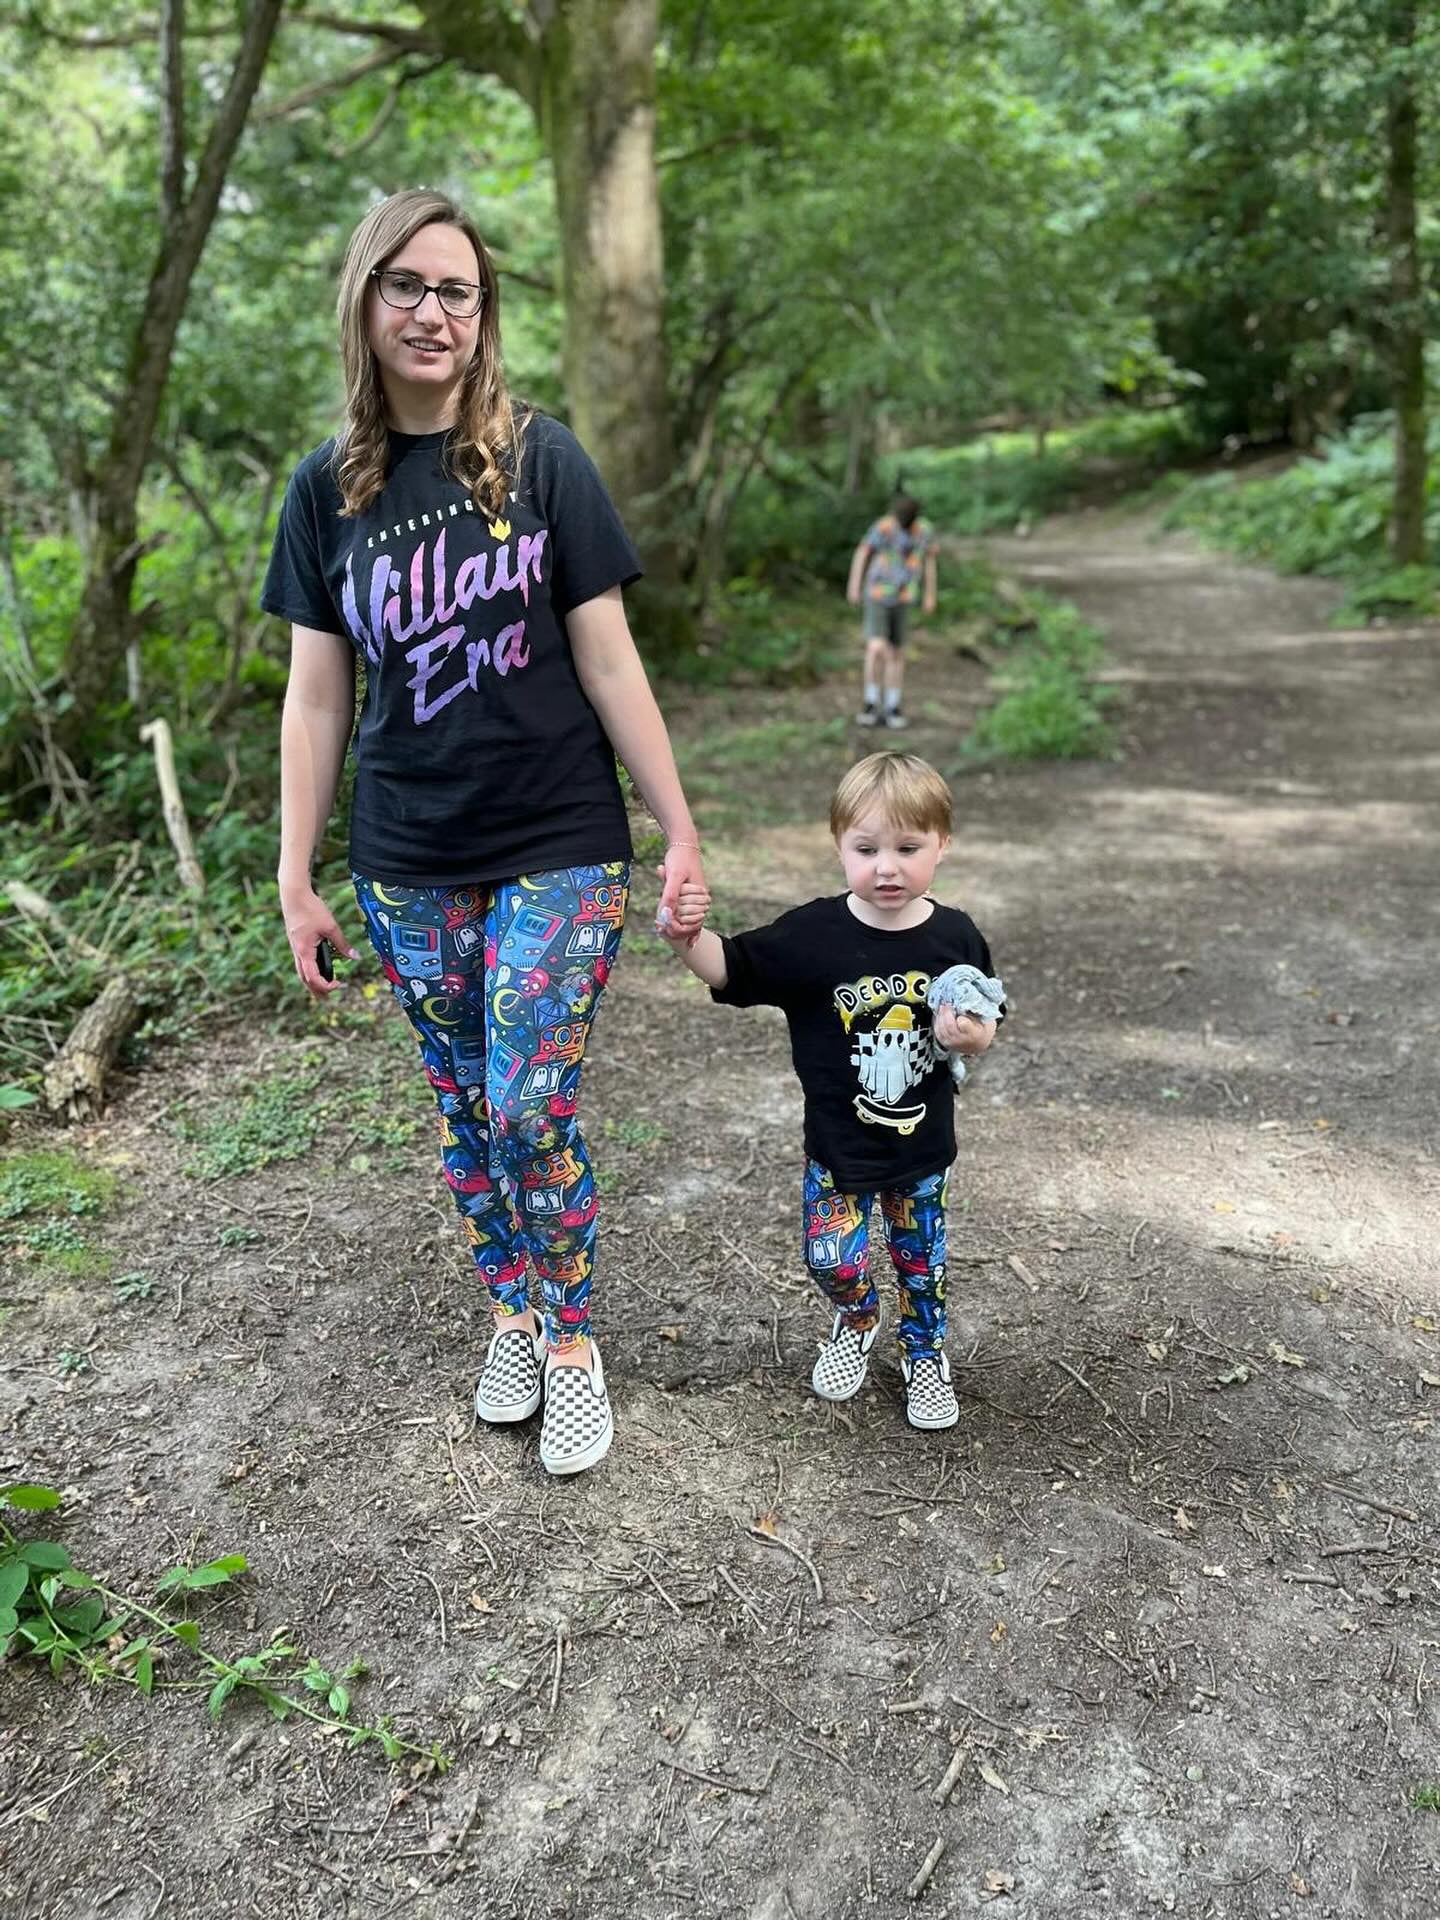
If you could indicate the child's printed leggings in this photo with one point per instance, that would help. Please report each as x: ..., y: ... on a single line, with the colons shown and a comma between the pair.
x: 837, y: 1246
x: 500, y: 984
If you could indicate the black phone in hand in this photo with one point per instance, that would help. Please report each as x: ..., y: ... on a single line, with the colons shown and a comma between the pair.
x: 325, y: 960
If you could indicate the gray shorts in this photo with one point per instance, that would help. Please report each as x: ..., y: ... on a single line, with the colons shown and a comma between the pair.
x: 885, y: 623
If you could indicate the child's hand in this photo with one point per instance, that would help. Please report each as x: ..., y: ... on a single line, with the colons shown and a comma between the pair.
x: 963, y: 1033
x: 685, y: 898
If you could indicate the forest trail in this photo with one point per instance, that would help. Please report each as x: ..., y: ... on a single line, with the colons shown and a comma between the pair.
x: 1168, y: 1590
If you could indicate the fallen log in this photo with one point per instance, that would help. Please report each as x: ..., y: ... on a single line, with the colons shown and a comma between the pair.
x: 75, y: 1078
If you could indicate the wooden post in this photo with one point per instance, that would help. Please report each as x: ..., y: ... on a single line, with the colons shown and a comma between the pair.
x: 156, y: 733
x: 75, y: 1078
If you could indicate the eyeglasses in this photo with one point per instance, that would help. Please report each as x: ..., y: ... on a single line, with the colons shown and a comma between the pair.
x: 461, y: 299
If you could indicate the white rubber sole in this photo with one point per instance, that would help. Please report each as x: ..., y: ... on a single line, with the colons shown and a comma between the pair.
x: 590, y: 1456
x: 510, y: 1413
x: 932, y: 1426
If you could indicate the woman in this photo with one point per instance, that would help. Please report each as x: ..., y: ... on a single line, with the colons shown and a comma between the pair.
x: 467, y: 552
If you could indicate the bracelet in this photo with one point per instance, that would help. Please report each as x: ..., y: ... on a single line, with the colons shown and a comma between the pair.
x: 683, y: 843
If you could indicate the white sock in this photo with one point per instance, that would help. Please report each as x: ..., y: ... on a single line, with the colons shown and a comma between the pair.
x: 872, y: 693
x: 892, y: 699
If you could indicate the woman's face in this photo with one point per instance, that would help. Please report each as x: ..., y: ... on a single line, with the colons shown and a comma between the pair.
x: 422, y: 353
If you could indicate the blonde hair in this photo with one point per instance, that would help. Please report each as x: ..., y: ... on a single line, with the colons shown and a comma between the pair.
x: 484, y: 448
x: 903, y: 789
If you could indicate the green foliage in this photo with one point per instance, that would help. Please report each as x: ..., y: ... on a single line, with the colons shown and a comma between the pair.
x: 1003, y: 480
x: 1049, y: 707
x: 53, y: 1611
x: 755, y: 636
x: 1327, y: 515
x: 45, y: 1193
x: 1425, y: 1798
x: 283, y: 1115
x: 131, y: 1286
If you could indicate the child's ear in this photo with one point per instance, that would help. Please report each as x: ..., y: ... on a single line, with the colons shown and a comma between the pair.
x: 944, y: 846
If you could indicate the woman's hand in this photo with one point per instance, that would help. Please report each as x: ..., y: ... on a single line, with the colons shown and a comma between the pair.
x: 684, y: 896
x: 963, y: 1033
x: 308, y: 921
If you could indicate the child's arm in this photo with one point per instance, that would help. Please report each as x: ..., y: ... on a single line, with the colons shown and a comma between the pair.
x: 704, y: 955
x: 928, y: 597
x: 859, y: 561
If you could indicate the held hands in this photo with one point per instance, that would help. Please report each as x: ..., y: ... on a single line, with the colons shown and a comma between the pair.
x: 963, y: 1033
x: 684, y: 896
x: 308, y: 921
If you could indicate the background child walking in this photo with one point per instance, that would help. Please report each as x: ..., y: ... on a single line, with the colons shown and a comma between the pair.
x: 852, y: 973
x: 886, y: 574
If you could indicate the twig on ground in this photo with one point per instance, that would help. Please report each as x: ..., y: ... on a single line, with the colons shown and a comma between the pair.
x: 951, y: 1774
x: 724, y: 1574
x: 439, y: 1601
x: 927, y: 1867
x: 1310, y: 1579
x: 1354, y: 1546
x: 774, y: 1540
x: 1366, y: 1500
x: 559, y: 1665
x: 715, y: 1780
x: 1085, y: 1387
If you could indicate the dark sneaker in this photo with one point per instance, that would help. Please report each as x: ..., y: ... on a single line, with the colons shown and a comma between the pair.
x: 895, y: 719
x: 868, y: 716
x: 930, y: 1401
x: 509, y: 1387
x: 840, y: 1368
x: 577, y: 1428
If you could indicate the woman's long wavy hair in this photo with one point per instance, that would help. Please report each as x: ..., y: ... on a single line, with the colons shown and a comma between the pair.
x: 485, y: 445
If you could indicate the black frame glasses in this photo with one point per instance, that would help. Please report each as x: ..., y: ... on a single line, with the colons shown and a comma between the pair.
x: 473, y: 296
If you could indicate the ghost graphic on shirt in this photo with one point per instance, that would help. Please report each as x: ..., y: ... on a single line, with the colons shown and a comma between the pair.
x: 889, y: 1059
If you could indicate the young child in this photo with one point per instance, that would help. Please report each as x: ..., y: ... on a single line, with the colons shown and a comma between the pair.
x: 852, y: 972
x: 886, y: 570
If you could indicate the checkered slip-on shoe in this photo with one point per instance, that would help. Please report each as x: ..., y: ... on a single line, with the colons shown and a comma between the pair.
x: 841, y: 1365
x: 510, y: 1381
x: 930, y: 1401
x: 577, y: 1427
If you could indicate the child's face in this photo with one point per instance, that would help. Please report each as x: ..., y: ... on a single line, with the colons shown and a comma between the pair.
x: 889, y: 867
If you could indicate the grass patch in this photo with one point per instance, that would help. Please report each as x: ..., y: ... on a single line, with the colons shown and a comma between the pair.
x: 723, y: 770
x: 1328, y: 515
x: 1002, y: 480
x: 285, y: 1115
x: 45, y: 1195
x: 1049, y: 706
x: 1426, y: 1797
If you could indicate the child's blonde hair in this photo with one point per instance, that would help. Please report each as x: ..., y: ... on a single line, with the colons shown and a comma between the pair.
x: 902, y: 788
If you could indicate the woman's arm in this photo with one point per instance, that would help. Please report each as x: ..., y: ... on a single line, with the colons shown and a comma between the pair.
x: 615, y: 682
x: 315, y: 729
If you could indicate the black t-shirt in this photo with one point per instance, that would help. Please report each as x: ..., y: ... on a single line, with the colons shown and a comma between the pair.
x: 478, y: 756
x: 879, y: 1106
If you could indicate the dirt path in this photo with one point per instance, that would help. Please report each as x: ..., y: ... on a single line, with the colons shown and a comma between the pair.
x: 1169, y: 1589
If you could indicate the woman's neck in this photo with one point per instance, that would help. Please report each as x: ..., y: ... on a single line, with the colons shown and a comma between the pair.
x: 426, y: 411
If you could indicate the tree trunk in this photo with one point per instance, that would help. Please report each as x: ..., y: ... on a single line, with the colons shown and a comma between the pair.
x: 860, y: 443
x: 1407, y: 322
x: 597, y: 118
x: 104, y: 627
x: 587, y: 69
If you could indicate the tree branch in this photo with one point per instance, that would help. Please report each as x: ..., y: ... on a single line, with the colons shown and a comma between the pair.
x: 334, y: 83
x: 172, y: 109
x: 407, y: 39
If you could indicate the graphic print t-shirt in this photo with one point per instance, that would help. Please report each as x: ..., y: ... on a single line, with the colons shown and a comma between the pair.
x: 892, y: 578
x: 478, y: 756
x: 879, y: 1107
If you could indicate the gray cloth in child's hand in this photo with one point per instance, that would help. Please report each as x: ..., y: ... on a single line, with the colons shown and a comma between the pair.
x: 965, y: 990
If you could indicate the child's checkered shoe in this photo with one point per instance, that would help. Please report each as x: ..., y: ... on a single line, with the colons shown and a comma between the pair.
x: 841, y: 1365
x: 509, y: 1387
x: 930, y: 1401
x: 577, y: 1428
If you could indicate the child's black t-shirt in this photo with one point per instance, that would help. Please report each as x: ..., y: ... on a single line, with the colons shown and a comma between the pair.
x: 879, y: 1103
x: 478, y: 756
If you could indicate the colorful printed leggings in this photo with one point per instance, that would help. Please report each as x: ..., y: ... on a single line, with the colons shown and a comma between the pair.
x: 837, y: 1247
x: 500, y: 984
